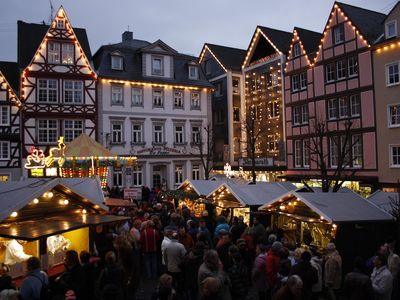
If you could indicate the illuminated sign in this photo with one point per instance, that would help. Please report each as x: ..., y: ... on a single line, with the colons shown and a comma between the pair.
x: 37, y: 159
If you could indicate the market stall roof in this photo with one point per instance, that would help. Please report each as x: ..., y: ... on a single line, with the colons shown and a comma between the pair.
x: 118, y: 202
x: 202, y: 187
x: 257, y: 194
x: 339, y: 207
x: 32, y: 229
x: 384, y: 199
x: 14, y: 195
x: 85, y: 146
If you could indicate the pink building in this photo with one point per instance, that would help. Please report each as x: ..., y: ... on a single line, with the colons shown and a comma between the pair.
x: 329, y: 82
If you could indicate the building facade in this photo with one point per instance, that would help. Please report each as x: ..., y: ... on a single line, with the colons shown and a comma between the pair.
x: 58, y: 83
x: 154, y: 104
x: 335, y: 89
x: 263, y: 90
x: 10, y: 127
x: 222, y: 67
x: 386, y: 59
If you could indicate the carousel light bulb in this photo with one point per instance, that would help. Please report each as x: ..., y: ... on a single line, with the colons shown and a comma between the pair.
x: 84, y: 211
x: 35, y: 201
x: 50, y: 194
x: 65, y: 202
x: 14, y: 214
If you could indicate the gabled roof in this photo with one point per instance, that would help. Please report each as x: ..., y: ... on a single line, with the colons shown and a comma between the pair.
x: 202, y: 187
x: 132, y: 53
x: 160, y: 44
x: 30, y: 36
x: 279, y: 40
x: 368, y: 22
x: 384, y: 199
x: 11, y: 71
x: 15, y: 195
x: 230, y: 58
x: 309, y: 39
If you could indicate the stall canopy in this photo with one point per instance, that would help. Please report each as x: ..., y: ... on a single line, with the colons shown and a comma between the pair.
x: 33, y: 208
x: 84, y: 146
x: 201, y: 187
x: 340, y: 207
x: 242, y: 195
x: 384, y: 200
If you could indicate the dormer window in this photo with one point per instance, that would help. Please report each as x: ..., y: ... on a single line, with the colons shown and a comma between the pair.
x: 117, y: 62
x: 391, y: 29
x: 157, y: 65
x: 193, y: 72
x: 296, y: 50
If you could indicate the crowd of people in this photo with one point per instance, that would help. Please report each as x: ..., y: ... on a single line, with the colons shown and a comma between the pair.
x: 194, y: 258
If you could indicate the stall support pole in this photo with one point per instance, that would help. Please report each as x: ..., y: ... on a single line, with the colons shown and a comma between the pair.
x: 301, y: 232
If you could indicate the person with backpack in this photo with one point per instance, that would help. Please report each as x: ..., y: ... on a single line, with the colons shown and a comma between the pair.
x: 36, y: 283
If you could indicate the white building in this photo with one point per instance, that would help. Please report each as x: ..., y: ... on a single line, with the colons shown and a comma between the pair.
x: 153, y: 103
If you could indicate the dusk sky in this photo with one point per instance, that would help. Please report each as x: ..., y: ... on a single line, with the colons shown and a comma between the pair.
x: 185, y: 25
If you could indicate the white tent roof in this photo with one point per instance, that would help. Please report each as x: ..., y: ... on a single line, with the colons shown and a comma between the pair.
x: 202, y: 187
x: 343, y: 206
x: 258, y: 194
x: 14, y: 195
x: 383, y: 199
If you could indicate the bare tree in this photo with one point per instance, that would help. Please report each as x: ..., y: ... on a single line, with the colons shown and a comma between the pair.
x: 337, y: 167
x: 254, y: 130
x: 205, y: 146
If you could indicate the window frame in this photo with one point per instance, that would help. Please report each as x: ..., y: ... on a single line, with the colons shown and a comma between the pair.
x: 296, y: 115
x: 339, y: 27
x: 306, y: 153
x: 121, y: 136
x: 73, y: 91
x: 396, y: 115
x: 196, y: 170
x: 351, y: 105
x: 334, y: 151
x: 160, y: 133
x: 343, y: 106
x: 47, y: 89
x: 394, y: 23
x: 39, y: 128
x: 303, y: 81
x: 117, y: 86
x: 137, y: 175
x: 8, y: 147
x: 120, y: 65
x: 154, y: 58
x: 53, y: 55
x: 196, y: 75
x: 387, y: 69
x: 297, y: 154
x: 354, y: 148
x: 178, y: 174
x: 295, y: 80
x: 330, y: 75
x: 69, y: 60
x: 136, y: 133
x: 133, y: 103
x: 181, y: 140
x: 7, y: 109
x: 341, y: 72
x: 120, y: 177
x: 332, y: 108
x: 180, y: 99
x: 296, y: 49
x: 192, y: 98
x: 74, y: 130
x: 196, y: 134
x: 352, y: 69
x: 391, y: 156
x: 161, y: 98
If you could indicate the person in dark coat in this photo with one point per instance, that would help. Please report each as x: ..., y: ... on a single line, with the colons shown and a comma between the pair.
x: 307, y: 273
x: 238, y: 275
x: 291, y: 291
x: 223, y: 249
x: 357, y: 285
x: 89, y: 273
x: 190, y: 267
x: 112, y: 274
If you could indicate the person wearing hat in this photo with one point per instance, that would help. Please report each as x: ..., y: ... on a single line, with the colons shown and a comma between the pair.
x: 272, y: 266
x: 333, y: 271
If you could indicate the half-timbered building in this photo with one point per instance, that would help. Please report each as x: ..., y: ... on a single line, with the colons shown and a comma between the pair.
x: 10, y: 129
x: 58, y: 84
x: 331, y: 84
x: 222, y: 67
x: 263, y: 70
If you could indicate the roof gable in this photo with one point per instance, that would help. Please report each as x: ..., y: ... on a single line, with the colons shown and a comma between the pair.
x: 4, y: 86
x: 273, y: 42
x: 159, y: 47
x: 32, y: 39
x: 227, y: 57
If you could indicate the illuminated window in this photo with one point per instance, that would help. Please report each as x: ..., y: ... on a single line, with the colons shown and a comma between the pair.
x: 4, y: 150
x: 47, y: 90
x: 158, y: 98
x: 273, y: 142
x: 394, y: 115
x: 178, y: 99
x: 73, y: 91
x: 72, y: 129
x: 117, y: 62
x: 194, y: 100
x: 47, y: 131
x: 68, y: 51
x: 273, y: 108
x: 4, y: 115
x: 392, y: 74
x: 391, y: 29
x: 236, y: 114
x: 53, y: 53
x: 236, y: 86
x: 394, y: 151
x: 4, y: 177
x: 117, y: 95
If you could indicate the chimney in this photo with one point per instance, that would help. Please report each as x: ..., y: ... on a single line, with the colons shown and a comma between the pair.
x: 127, y: 36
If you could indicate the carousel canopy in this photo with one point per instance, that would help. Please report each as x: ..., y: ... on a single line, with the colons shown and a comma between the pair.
x: 85, y: 146
x: 384, y: 199
x: 343, y: 206
x: 201, y: 187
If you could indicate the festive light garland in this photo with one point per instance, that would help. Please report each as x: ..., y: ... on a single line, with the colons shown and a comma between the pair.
x: 3, y: 80
x: 205, y: 48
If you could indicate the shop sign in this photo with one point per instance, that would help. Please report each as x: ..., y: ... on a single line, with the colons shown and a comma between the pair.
x: 133, y: 193
x: 162, y: 150
x: 260, y: 162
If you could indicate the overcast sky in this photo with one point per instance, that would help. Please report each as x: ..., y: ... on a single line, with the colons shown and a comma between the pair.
x: 183, y: 24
